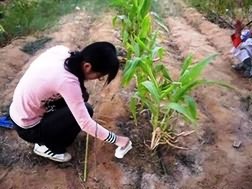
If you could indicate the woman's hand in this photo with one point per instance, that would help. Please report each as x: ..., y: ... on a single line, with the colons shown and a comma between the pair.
x: 122, y: 141
x: 124, y: 145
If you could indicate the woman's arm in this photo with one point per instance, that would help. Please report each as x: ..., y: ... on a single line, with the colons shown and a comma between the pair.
x: 71, y: 92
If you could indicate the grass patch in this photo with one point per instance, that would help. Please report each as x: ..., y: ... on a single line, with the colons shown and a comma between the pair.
x: 24, y: 17
x: 235, y: 9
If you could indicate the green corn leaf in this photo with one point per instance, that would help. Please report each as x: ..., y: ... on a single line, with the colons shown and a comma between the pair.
x: 116, y: 18
x: 182, y: 110
x: 153, y: 90
x: 187, y: 62
x: 170, y: 90
x: 184, y: 90
x: 133, y: 108
x: 195, y: 71
x: 127, y: 24
x: 125, y: 36
x: 141, y: 43
x: 148, y: 102
x: 157, y: 52
x: 130, y: 70
x: 147, y: 68
x: 152, y: 40
x: 129, y: 46
x: 145, y: 7
x: 166, y: 93
x: 163, y: 70
x: 159, y: 22
x: 136, y: 49
x: 145, y: 27
x: 136, y: 3
x: 129, y: 49
x: 191, y: 106
x: 1, y: 29
x: 181, y: 92
x: 133, y: 11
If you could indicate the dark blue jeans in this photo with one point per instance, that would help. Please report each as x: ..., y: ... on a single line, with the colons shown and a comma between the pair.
x: 57, y: 130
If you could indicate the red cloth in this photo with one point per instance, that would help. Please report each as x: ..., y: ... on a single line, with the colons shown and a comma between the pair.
x: 236, y: 40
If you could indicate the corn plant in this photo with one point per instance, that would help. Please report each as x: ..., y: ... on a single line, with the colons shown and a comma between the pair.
x: 166, y: 98
x: 176, y: 98
x: 135, y: 21
x: 156, y: 91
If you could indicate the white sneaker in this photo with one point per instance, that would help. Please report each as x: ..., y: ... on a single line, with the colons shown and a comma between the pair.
x: 121, y: 151
x: 43, y: 151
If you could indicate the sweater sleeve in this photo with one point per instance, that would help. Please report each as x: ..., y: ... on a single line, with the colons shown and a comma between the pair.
x: 71, y: 92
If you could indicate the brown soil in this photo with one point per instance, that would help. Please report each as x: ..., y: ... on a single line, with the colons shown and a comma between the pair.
x: 211, y: 161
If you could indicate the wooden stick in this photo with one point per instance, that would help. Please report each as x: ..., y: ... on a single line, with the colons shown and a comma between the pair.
x: 86, y: 160
x: 249, y: 23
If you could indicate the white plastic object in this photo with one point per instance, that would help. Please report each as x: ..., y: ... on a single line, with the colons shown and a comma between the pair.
x: 121, y: 151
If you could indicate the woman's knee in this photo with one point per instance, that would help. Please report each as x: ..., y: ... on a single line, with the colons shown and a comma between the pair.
x: 90, y: 109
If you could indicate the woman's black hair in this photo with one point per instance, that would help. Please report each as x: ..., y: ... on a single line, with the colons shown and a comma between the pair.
x: 101, y: 55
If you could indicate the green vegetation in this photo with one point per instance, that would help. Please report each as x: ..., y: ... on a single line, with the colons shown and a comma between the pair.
x: 23, y: 17
x: 166, y: 99
x: 236, y: 9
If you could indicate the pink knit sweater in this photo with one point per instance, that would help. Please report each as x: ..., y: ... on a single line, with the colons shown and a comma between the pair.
x: 46, y: 80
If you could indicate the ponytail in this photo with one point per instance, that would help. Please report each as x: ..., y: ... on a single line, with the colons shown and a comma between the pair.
x: 73, y: 64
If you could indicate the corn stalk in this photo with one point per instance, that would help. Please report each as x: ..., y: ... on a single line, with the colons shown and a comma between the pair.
x: 155, y: 89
